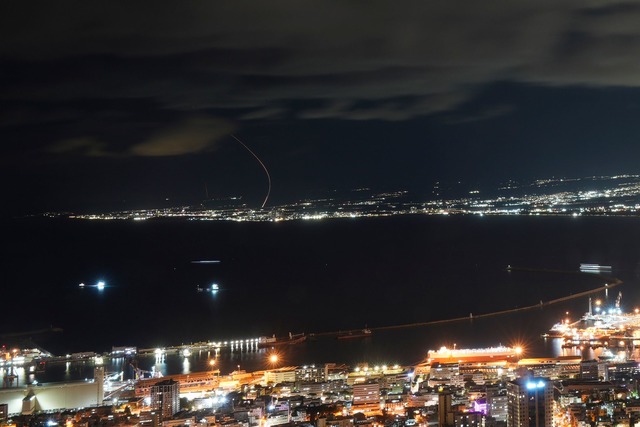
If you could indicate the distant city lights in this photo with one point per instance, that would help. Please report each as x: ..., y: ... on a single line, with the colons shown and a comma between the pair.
x: 615, y: 195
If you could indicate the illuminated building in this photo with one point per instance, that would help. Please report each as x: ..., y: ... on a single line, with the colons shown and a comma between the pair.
x: 530, y: 402
x: 590, y: 370
x: 311, y: 374
x: 445, y: 413
x: 497, y: 407
x: 4, y: 411
x: 366, y: 393
x: 150, y: 419
x: 468, y: 419
x: 286, y: 374
x: 165, y: 398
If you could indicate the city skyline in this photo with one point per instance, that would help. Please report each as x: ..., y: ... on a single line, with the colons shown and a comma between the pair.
x: 110, y: 107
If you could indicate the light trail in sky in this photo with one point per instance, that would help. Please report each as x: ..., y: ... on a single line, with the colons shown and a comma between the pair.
x: 263, y: 167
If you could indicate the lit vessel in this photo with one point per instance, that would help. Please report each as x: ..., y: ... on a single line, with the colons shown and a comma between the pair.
x: 595, y: 268
x: 459, y: 355
x: 598, y: 327
x: 214, y: 288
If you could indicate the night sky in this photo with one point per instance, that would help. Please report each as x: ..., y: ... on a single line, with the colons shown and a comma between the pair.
x: 115, y: 105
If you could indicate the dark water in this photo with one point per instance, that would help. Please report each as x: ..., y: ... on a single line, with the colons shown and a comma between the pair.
x: 305, y: 277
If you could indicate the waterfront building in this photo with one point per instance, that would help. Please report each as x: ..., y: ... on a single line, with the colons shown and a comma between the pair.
x: 165, y: 398
x: 552, y: 367
x: 286, y: 374
x: 530, y: 402
x: 194, y: 382
x: 620, y: 370
x: 69, y: 395
x: 590, y: 370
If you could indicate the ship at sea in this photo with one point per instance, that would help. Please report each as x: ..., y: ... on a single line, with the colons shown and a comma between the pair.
x: 460, y: 355
x: 364, y: 333
x: 268, y: 342
x: 595, y: 268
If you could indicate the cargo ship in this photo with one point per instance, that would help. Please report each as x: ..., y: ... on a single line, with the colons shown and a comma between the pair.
x: 268, y: 342
x: 365, y: 333
x: 459, y: 355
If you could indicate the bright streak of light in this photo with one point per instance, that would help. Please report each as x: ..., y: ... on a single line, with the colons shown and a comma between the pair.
x: 263, y: 167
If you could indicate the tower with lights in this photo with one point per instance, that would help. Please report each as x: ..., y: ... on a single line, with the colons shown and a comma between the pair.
x: 530, y: 402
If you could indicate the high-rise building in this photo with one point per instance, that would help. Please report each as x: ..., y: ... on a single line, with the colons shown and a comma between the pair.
x: 98, y: 375
x: 445, y: 412
x: 497, y: 407
x: 165, y: 398
x: 530, y: 402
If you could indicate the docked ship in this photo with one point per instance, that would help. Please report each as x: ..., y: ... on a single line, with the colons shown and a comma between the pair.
x: 268, y: 342
x: 598, y: 326
x: 460, y: 355
x: 365, y: 333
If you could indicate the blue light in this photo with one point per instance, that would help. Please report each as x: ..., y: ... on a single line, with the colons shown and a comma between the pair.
x: 532, y: 386
x: 100, y: 285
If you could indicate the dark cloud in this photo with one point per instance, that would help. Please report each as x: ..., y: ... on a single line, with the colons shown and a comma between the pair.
x: 257, y: 57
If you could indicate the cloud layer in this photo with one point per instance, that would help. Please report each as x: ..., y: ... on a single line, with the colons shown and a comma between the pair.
x: 253, y: 61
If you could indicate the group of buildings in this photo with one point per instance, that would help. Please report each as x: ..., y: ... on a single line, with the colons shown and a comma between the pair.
x: 493, y: 387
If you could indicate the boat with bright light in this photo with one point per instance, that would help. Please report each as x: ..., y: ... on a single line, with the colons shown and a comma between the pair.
x: 595, y: 268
